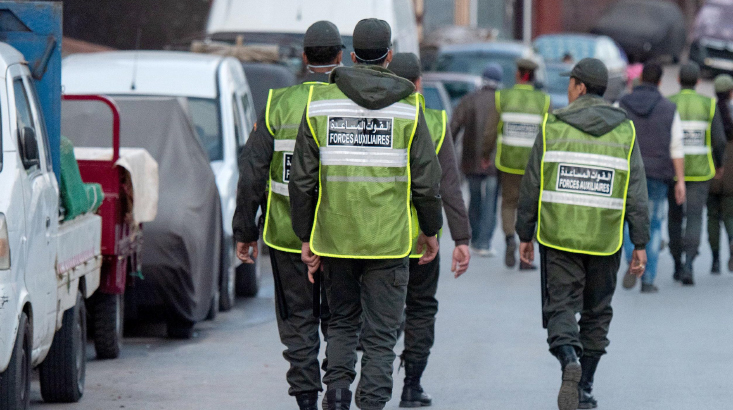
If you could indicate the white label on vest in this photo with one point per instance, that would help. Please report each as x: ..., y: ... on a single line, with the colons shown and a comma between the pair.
x: 287, y: 161
x: 585, y: 179
x: 694, y: 133
x: 520, y: 129
x: 360, y: 132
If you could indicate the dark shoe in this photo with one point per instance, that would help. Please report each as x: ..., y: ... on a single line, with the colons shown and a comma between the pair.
x: 307, y: 401
x: 629, y: 280
x: 567, y: 398
x: 715, y: 269
x: 649, y: 288
x: 730, y: 261
x: 678, y: 269
x: 413, y: 394
x: 588, y: 364
x: 338, y: 399
x: 687, y: 277
x: 510, y: 259
x: 526, y: 266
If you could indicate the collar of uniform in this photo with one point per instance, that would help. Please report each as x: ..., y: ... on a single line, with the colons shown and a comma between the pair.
x: 311, y: 78
x: 524, y: 86
x: 584, y: 101
x: 688, y: 91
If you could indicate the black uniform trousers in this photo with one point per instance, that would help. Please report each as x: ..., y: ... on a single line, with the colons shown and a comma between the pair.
x: 420, y: 311
x: 685, y: 238
x: 296, y: 323
x: 374, y: 290
x: 579, y: 283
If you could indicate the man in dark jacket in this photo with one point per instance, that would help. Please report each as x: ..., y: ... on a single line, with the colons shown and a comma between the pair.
x: 659, y: 135
x: 422, y: 306
x: 263, y: 165
x: 476, y: 116
x: 362, y: 141
x: 584, y: 165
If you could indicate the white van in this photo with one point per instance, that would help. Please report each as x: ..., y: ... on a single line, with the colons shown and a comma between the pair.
x: 284, y: 22
x: 215, y: 93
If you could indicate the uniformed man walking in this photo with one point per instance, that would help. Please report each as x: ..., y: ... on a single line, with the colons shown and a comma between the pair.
x: 265, y: 171
x: 704, y: 144
x: 585, y: 177
x: 422, y: 306
x: 363, y: 152
x: 521, y: 109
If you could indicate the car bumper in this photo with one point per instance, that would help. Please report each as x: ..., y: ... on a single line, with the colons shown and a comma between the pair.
x: 8, y: 323
x: 718, y: 57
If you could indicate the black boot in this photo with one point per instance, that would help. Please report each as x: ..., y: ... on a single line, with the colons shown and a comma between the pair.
x: 307, y: 401
x: 412, y: 393
x: 687, y: 277
x: 338, y: 399
x: 730, y: 261
x: 567, y: 399
x: 585, y: 388
x: 678, y: 268
x: 715, y: 269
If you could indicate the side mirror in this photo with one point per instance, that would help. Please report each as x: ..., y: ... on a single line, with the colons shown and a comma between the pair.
x: 28, y: 147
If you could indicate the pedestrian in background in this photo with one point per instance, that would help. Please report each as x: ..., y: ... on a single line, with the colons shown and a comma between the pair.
x: 585, y: 177
x: 521, y: 110
x: 421, y: 305
x: 265, y: 172
x: 476, y: 116
x: 362, y: 154
x: 704, y: 146
x: 720, y: 200
x: 659, y: 136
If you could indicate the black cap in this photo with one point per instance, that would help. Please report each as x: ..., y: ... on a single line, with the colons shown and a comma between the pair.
x: 372, y: 34
x: 406, y: 65
x: 689, y: 73
x: 322, y: 34
x: 590, y: 71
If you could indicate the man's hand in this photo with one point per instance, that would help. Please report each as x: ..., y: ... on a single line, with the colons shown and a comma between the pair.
x: 461, y: 258
x: 680, y: 192
x: 431, y: 247
x: 719, y: 173
x: 638, y: 262
x: 485, y: 164
x: 312, y: 260
x: 243, y: 252
x: 526, y: 252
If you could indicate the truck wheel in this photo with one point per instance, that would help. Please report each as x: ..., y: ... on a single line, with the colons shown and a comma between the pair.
x: 108, y: 320
x: 63, y: 372
x: 247, y: 281
x: 15, y: 381
x: 227, y: 283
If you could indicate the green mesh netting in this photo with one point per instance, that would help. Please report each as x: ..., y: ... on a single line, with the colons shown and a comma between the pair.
x: 76, y: 196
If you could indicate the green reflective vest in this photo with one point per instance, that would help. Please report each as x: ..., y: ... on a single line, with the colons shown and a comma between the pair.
x: 437, y: 121
x: 521, y: 110
x: 584, y: 184
x: 363, y: 209
x: 696, y: 112
x: 283, y: 115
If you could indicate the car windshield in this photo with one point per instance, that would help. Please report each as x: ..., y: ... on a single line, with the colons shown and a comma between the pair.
x: 475, y: 63
x: 432, y: 98
x: 206, y: 120
x: 555, y: 48
x: 555, y: 83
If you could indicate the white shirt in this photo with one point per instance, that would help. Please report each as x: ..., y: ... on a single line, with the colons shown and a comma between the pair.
x: 676, y: 146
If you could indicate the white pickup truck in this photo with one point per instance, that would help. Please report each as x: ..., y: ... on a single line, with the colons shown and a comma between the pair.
x: 48, y: 266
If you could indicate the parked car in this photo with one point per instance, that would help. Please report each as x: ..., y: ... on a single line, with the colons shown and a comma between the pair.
x: 436, y: 96
x: 457, y: 85
x: 215, y: 93
x: 555, y: 47
x: 473, y: 58
x: 646, y: 29
x: 263, y: 77
x: 282, y: 23
x: 712, y: 37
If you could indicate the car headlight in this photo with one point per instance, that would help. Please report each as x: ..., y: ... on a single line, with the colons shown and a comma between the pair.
x: 4, y: 244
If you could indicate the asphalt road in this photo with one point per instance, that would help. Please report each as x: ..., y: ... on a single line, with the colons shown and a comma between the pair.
x: 671, y: 350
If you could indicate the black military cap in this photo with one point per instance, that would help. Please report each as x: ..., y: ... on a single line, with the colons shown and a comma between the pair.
x: 406, y: 65
x: 689, y: 73
x: 590, y: 71
x: 322, y: 34
x: 372, y: 34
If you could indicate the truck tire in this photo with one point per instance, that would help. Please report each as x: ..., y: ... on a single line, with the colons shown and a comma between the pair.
x: 227, y: 282
x: 15, y: 381
x: 247, y: 281
x: 108, y: 320
x: 63, y: 372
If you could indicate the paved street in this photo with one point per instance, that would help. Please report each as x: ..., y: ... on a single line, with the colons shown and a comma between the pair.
x: 671, y: 350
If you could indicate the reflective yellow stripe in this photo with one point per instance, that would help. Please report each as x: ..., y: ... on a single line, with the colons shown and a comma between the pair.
x: 267, y: 112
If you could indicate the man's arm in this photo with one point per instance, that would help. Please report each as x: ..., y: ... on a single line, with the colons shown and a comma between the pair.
x: 677, y: 153
x: 303, y: 185
x: 426, y: 174
x: 254, y: 167
x: 458, y: 118
x: 450, y: 192
x: 718, y: 139
x: 637, y: 201
x: 491, y: 132
x: 529, y: 193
